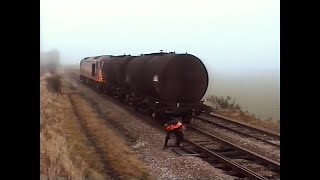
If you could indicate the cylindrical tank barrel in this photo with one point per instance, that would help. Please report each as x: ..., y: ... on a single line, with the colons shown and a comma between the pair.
x: 170, y: 77
x: 120, y: 70
x: 137, y: 74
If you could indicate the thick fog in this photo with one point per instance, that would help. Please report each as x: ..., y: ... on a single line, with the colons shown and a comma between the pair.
x: 238, y: 41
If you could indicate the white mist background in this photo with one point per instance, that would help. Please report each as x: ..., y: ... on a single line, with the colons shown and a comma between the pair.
x: 238, y: 41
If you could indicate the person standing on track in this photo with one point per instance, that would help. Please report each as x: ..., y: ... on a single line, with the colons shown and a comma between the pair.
x: 175, y: 127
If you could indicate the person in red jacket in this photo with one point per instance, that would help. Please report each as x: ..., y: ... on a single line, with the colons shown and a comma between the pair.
x: 174, y: 127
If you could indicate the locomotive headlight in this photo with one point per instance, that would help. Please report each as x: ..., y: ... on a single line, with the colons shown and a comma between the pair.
x: 101, y: 78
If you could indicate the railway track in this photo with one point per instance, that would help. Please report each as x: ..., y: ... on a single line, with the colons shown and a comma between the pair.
x: 241, y: 128
x: 231, y: 158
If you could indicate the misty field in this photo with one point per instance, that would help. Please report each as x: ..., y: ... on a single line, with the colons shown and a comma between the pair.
x: 255, y: 92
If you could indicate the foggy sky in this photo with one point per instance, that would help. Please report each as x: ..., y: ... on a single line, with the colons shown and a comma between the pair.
x: 223, y: 33
x: 237, y: 40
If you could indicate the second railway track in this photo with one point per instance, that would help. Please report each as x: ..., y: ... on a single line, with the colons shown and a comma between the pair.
x: 243, y: 129
x: 231, y: 158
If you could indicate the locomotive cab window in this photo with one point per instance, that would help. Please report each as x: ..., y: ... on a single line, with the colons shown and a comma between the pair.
x: 93, y: 69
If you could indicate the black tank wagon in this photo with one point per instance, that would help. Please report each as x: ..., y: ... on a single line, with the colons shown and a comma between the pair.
x: 157, y: 83
x: 114, y: 70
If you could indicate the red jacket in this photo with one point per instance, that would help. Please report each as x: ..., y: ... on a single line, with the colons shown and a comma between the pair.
x: 174, y: 127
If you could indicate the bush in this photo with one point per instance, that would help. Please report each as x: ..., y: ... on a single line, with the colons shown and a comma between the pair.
x: 54, y: 84
x: 223, y: 103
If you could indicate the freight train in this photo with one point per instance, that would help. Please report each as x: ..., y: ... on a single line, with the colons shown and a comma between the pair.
x: 160, y: 84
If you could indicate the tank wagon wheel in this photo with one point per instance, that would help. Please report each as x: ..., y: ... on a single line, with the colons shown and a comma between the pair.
x: 197, y: 112
x: 135, y: 108
x: 186, y: 118
x: 159, y: 116
x: 122, y: 99
x: 150, y: 113
x: 98, y: 88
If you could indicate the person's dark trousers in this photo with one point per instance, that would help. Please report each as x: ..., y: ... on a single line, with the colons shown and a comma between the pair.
x: 167, y: 138
x: 179, y: 138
